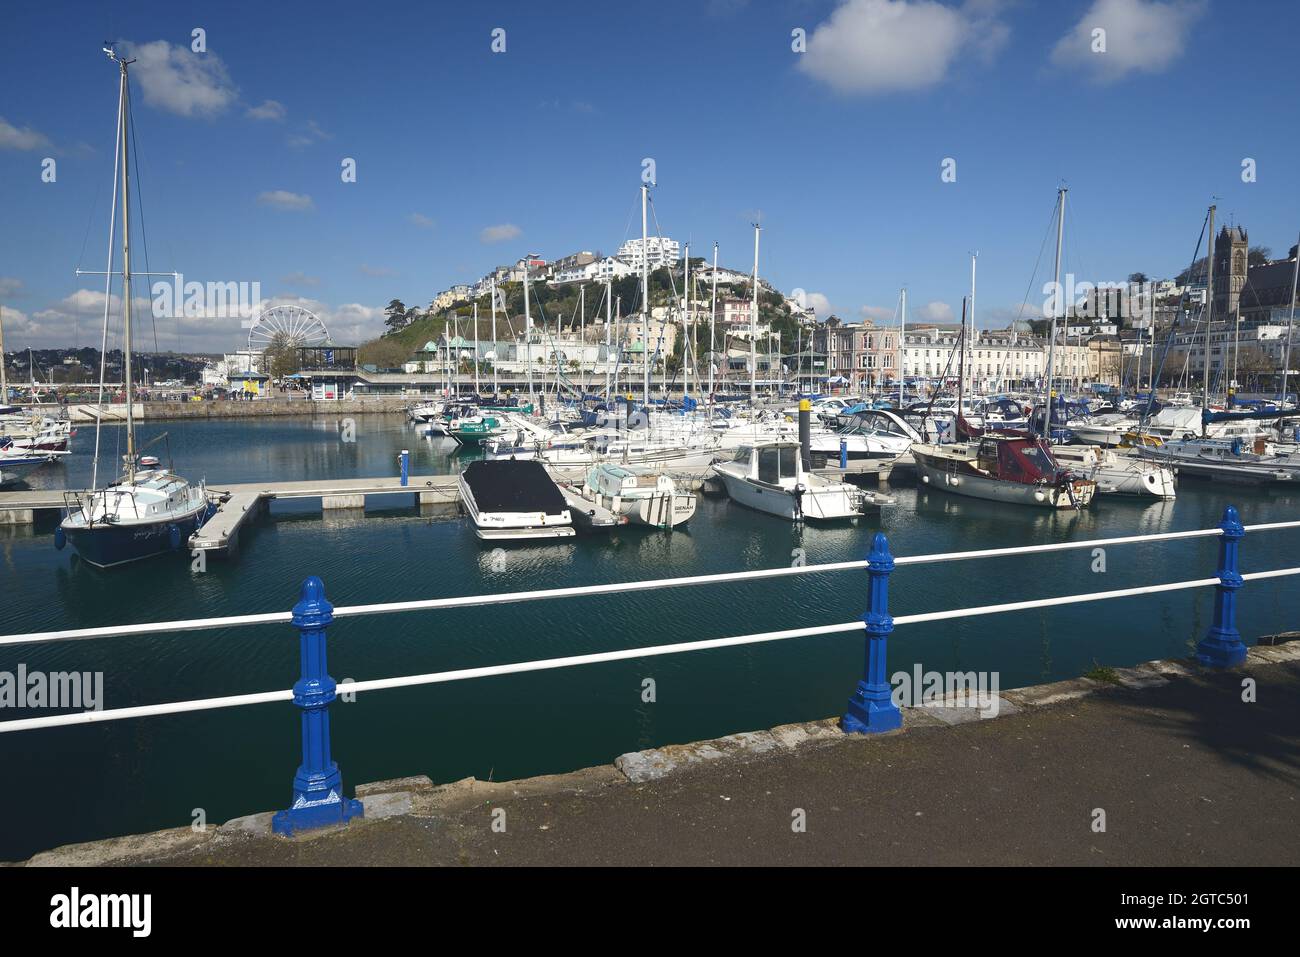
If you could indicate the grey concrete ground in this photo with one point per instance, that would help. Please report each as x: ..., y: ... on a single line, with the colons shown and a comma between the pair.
x: 1185, y: 771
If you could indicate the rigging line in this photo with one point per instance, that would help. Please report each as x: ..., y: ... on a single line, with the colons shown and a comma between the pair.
x: 139, y: 208
x: 1047, y: 231
x: 1169, y: 338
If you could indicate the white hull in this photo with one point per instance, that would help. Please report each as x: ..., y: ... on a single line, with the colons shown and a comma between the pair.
x: 825, y: 505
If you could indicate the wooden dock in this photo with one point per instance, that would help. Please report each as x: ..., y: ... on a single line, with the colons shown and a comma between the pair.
x: 236, y: 504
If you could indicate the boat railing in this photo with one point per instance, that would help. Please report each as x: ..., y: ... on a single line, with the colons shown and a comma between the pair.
x: 871, y: 708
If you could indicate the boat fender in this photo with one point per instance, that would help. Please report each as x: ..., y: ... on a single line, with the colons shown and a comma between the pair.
x: 60, y: 538
x: 1236, y: 446
x: 174, y: 536
x: 954, y: 481
x: 925, y: 479
x: 1040, y: 497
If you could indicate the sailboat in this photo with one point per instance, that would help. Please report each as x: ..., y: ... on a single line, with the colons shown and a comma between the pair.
x: 1000, y: 466
x: 148, y: 510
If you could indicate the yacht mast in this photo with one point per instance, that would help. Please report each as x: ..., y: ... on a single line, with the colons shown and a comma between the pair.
x: 582, y: 334
x: 902, y: 332
x: 713, y: 318
x: 1058, y: 299
x: 753, y: 330
x: 528, y: 330
x: 645, y: 293
x: 973, y: 256
x: 1290, y: 323
x: 4, y: 375
x: 1209, y: 317
x: 496, y: 356
x: 686, y: 328
x: 609, y: 325
x: 123, y: 126
x: 476, y: 385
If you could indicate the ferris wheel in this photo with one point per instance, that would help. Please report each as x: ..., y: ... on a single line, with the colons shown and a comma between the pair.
x: 286, y: 323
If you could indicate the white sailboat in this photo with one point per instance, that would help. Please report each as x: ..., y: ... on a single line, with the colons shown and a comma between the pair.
x: 148, y: 510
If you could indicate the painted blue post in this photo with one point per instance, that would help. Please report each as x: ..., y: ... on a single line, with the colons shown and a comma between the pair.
x: 872, y: 708
x: 844, y: 453
x: 318, y: 798
x: 405, y: 458
x: 1222, y: 646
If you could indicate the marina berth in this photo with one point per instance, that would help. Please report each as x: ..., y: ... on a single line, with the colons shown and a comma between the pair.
x: 771, y: 477
x: 1118, y: 472
x: 644, y: 496
x: 1003, y: 467
x: 509, y: 500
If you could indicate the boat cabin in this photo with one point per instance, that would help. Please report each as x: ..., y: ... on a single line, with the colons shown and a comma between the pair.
x: 1017, y: 459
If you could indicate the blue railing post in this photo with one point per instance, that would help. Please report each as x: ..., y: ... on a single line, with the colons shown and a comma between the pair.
x: 405, y: 459
x: 872, y: 708
x: 318, y: 798
x: 844, y: 453
x: 1222, y: 646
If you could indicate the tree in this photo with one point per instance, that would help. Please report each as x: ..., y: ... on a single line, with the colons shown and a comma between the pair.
x: 1138, y: 278
x: 398, y: 316
x: 1258, y: 256
x: 281, y: 357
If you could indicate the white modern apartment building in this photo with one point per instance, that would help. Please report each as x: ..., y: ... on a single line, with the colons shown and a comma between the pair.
x: 659, y: 251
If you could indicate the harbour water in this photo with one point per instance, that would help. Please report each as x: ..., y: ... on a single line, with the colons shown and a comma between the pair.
x: 79, y: 783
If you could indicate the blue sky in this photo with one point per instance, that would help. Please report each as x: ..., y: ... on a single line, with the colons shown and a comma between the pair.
x: 838, y: 150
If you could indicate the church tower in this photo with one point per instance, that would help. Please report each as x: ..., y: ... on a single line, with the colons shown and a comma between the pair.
x: 1230, y: 257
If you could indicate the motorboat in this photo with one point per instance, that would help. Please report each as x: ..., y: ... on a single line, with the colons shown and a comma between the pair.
x: 872, y: 434
x: 643, y: 495
x: 772, y: 478
x: 514, y: 500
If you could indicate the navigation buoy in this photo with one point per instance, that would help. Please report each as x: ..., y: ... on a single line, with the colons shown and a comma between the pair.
x: 60, y: 538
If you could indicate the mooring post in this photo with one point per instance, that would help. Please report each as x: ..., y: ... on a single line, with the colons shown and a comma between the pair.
x: 405, y: 459
x: 844, y: 453
x: 1222, y: 646
x: 318, y: 786
x: 872, y: 708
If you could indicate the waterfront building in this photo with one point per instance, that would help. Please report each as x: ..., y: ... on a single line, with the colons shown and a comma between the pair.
x: 660, y: 251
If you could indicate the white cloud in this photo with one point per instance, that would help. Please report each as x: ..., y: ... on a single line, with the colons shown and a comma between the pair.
x: 877, y: 313
x: 496, y: 234
x: 419, y: 219
x: 1141, y: 35
x: 935, y: 312
x: 310, y: 132
x: 818, y: 303
x: 179, y: 81
x: 10, y: 287
x: 283, y: 199
x: 269, y: 110
x: 881, y: 46
x: 25, y: 138
x: 68, y: 323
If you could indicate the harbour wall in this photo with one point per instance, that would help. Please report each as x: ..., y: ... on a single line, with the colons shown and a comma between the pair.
x: 788, y: 751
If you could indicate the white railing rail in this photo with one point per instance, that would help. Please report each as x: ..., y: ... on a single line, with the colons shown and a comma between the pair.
x: 317, y: 794
x: 609, y: 588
